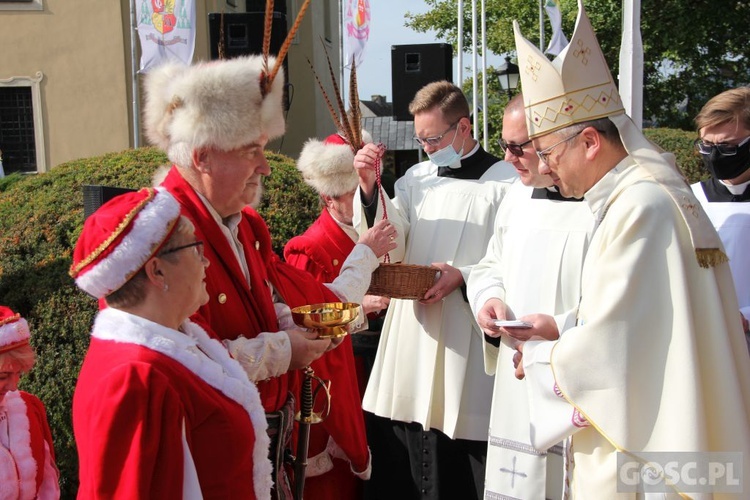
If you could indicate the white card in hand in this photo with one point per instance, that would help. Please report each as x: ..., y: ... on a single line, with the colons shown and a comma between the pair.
x: 512, y: 323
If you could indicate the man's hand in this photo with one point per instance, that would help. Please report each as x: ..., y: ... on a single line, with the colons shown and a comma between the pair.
x: 306, y: 347
x: 450, y: 279
x: 374, y: 303
x: 381, y: 238
x: 543, y: 327
x: 364, y: 163
x: 492, y: 310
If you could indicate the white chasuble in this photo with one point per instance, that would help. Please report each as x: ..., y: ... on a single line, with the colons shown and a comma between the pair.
x: 657, y: 361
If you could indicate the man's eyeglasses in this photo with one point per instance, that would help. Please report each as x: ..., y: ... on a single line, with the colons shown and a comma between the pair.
x: 706, y: 148
x: 197, y: 244
x: 434, y: 141
x: 515, y: 149
x: 544, y: 153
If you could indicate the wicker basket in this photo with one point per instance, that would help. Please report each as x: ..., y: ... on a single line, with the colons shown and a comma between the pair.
x: 402, y: 281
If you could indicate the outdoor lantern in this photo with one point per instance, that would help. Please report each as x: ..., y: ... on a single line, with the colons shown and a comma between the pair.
x: 508, y: 76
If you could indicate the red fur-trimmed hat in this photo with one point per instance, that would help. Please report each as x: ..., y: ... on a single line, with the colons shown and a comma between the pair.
x: 328, y: 165
x: 14, y: 330
x: 120, y: 237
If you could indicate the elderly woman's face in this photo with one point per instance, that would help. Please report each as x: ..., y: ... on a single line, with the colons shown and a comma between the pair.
x: 185, y: 274
x: 8, y: 381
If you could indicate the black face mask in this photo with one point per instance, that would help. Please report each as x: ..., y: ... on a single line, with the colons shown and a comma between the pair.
x: 727, y: 167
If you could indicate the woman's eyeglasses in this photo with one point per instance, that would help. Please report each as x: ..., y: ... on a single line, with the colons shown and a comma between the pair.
x: 515, y: 149
x: 197, y: 244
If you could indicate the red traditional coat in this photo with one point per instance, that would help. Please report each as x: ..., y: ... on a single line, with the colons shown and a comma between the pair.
x: 163, y: 414
x: 321, y: 250
x: 233, y: 308
x: 27, y: 467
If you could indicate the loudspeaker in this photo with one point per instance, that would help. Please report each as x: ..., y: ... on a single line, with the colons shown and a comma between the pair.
x: 413, y: 67
x: 95, y: 196
x: 243, y: 35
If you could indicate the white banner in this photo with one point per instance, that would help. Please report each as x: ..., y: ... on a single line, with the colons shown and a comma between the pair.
x: 558, y: 41
x: 166, y: 29
x: 357, y: 25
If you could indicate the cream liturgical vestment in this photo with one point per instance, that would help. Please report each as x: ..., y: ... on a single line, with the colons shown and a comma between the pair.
x: 533, y: 264
x: 657, y: 361
x: 428, y: 367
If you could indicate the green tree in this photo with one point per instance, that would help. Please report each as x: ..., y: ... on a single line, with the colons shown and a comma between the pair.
x: 692, y: 50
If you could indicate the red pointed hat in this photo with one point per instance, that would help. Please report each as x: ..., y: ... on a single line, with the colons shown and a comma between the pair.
x: 14, y: 330
x: 120, y: 237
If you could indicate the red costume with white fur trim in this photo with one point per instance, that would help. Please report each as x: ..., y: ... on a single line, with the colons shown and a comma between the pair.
x: 159, y: 413
x: 27, y: 465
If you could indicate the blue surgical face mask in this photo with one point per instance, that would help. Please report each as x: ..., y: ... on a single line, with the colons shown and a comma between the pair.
x: 446, y: 156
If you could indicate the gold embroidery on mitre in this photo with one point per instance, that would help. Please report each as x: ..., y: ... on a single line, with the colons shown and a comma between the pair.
x: 582, y: 52
x: 532, y: 67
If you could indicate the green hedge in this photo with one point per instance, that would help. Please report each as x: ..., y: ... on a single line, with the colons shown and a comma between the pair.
x: 40, y: 219
x: 680, y: 142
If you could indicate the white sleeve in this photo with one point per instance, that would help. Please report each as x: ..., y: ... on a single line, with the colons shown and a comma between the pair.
x: 354, y: 278
x: 265, y: 356
x: 552, y: 418
x: 50, y: 487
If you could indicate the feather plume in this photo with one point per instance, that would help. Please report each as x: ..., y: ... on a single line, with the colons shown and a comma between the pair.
x: 344, y: 120
x: 267, y: 26
x: 354, y: 110
x: 287, y: 42
x: 331, y: 109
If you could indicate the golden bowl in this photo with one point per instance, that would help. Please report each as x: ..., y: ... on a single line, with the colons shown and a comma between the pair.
x: 328, y: 318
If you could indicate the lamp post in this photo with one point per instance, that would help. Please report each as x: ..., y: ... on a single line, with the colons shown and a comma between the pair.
x: 508, y: 75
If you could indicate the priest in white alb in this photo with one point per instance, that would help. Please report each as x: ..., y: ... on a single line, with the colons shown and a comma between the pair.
x: 533, y: 263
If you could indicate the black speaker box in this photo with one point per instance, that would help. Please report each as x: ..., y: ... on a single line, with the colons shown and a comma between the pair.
x: 95, y: 196
x: 413, y: 67
x: 243, y: 35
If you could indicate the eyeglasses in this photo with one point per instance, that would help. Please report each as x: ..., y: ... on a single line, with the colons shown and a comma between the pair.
x: 544, y: 153
x: 434, y: 141
x: 197, y: 244
x: 515, y: 149
x: 724, y: 149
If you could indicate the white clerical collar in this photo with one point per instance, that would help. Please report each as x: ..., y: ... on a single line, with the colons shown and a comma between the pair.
x: 458, y: 164
x: 596, y: 197
x: 736, y: 189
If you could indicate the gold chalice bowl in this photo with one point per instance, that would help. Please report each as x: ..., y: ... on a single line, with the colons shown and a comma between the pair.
x: 328, y: 319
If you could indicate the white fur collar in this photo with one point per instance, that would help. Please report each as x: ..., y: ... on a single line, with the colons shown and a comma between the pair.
x: 215, y: 367
x: 19, y: 435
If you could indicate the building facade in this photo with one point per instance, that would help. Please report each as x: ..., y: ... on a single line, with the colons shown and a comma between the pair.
x: 66, y: 76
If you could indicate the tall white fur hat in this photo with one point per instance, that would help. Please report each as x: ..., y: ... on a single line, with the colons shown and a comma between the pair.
x: 328, y: 165
x: 216, y: 103
x: 575, y: 87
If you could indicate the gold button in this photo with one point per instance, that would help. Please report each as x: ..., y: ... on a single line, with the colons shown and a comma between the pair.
x: 222, y: 298
x: 257, y: 245
x: 335, y: 262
